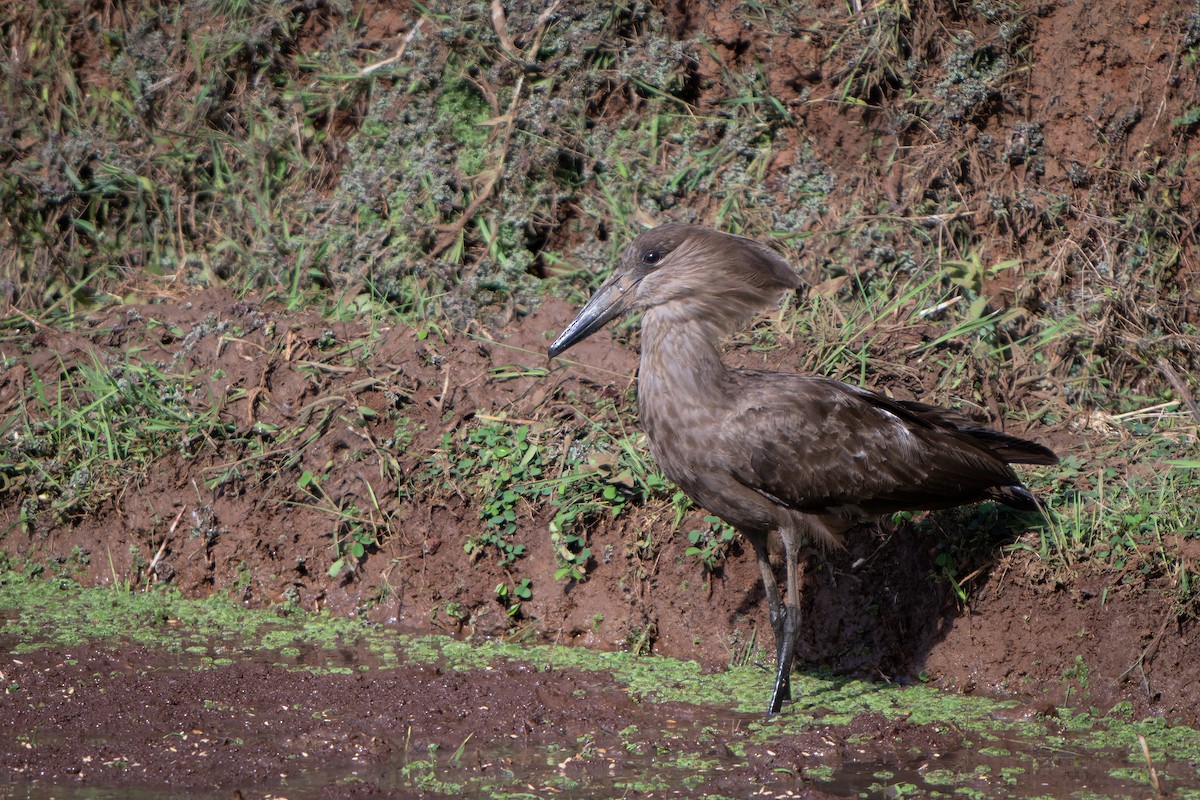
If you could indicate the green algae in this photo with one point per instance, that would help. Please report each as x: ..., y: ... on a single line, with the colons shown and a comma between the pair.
x: 996, y: 749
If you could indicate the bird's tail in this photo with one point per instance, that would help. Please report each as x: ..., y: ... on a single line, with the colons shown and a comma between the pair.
x: 1010, y: 449
x: 1015, y: 496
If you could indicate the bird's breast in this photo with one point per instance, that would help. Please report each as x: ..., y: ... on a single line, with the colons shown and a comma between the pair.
x: 687, y: 441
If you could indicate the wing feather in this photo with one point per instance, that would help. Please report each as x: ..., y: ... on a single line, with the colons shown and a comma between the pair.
x: 821, y: 446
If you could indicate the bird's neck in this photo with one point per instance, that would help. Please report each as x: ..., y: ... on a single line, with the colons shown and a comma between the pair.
x: 681, y: 360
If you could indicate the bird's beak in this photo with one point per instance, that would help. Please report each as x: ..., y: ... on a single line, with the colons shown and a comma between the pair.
x: 607, y: 303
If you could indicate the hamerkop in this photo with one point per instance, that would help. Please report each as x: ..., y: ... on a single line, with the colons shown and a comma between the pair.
x: 775, y: 451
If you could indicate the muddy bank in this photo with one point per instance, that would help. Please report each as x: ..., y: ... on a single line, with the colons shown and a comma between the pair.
x: 307, y: 707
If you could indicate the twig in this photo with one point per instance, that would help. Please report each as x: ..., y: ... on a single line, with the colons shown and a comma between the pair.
x: 449, y: 233
x: 1150, y: 766
x: 441, y: 401
x: 162, y: 548
x: 1148, y: 652
x: 925, y: 313
x: 1142, y: 412
x: 1181, y: 388
x: 500, y: 25
x: 545, y: 16
x: 511, y: 420
x: 399, y: 51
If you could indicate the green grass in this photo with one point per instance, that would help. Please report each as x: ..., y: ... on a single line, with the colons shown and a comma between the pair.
x: 78, y: 441
x: 1130, y: 510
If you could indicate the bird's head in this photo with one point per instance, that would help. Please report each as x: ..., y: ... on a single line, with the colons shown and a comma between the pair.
x: 702, y: 272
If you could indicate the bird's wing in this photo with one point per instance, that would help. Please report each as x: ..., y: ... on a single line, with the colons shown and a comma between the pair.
x: 822, y: 446
x: 1009, y: 449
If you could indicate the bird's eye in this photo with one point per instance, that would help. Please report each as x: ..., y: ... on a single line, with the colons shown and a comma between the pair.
x: 652, y: 257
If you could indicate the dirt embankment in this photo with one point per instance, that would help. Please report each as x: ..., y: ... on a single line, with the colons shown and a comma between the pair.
x: 218, y: 516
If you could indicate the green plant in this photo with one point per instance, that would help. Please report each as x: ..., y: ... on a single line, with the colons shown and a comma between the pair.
x: 1076, y: 678
x: 1134, y: 520
x: 422, y: 773
x: 711, y: 546
x: 505, y: 464
x: 199, y: 92
x: 513, y: 596
x: 356, y: 534
x: 499, y: 460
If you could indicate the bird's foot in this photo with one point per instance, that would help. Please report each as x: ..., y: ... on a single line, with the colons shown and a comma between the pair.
x: 786, y: 633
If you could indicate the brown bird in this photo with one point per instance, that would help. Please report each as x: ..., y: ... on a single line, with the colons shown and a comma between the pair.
x: 800, y: 455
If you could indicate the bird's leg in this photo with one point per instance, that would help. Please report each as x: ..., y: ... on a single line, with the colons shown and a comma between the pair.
x: 778, y: 615
x: 789, y: 625
x: 770, y: 587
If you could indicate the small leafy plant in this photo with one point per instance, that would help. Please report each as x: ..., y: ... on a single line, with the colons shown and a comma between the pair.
x: 711, y: 545
x: 500, y: 461
x: 513, y: 596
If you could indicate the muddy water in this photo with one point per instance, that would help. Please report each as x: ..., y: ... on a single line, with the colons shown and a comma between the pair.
x: 304, y: 707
